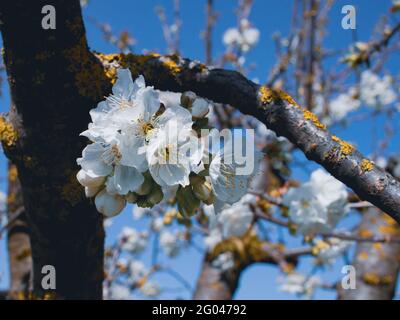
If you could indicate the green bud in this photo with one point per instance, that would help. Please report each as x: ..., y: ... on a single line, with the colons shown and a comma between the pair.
x: 142, y: 202
x: 155, y: 196
x: 188, y: 203
x: 202, y: 190
x: 131, y: 197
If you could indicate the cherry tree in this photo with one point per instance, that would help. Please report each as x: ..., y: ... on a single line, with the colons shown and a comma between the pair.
x: 88, y: 134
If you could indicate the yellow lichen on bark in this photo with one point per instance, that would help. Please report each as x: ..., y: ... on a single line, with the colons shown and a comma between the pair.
x: 345, y: 147
x: 12, y: 173
x: 88, y: 74
x: 8, y: 135
x: 313, y: 117
x: 269, y: 96
x: 320, y: 245
x: 374, y: 279
x: 171, y: 65
x: 366, y: 165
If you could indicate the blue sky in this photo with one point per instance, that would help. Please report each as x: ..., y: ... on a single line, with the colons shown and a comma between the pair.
x: 138, y: 17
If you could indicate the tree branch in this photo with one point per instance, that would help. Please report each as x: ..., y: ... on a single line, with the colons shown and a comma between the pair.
x: 279, y: 112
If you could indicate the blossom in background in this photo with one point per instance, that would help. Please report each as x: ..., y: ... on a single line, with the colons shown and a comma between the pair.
x: 3, y: 202
x: 299, y: 284
x: 236, y: 220
x: 137, y: 271
x: 157, y: 224
x: 119, y: 292
x: 376, y: 91
x: 330, y: 250
x: 139, y: 213
x: 245, y: 37
x: 150, y: 289
x: 343, y: 104
x: 317, y: 205
x: 133, y: 240
x: 224, y: 261
x: 169, y: 242
x: 232, y: 221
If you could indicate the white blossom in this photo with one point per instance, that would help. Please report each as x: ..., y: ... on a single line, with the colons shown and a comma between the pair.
x: 174, y: 154
x: 317, y: 205
x: 150, y: 289
x: 299, y: 284
x: 138, y: 212
x: 133, y: 240
x: 137, y: 270
x: 224, y: 261
x: 108, y: 204
x: 334, y: 248
x: 119, y: 292
x: 236, y: 220
x: 245, y: 37
x: 157, y: 224
x: 343, y: 104
x: 144, y: 146
x: 229, y: 185
x: 376, y: 91
x: 169, y: 242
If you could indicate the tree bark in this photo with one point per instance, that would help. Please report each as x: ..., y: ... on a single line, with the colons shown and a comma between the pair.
x: 377, y: 264
x: 19, y: 247
x: 54, y: 81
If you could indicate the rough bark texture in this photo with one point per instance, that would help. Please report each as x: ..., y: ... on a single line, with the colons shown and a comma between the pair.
x: 54, y: 81
x: 19, y: 247
x: 377, y: 265
x: 279, y: 112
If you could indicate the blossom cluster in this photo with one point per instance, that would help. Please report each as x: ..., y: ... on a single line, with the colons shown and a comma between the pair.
x: 245, y: 37
x: 146, y: 146
x: 374, y: 92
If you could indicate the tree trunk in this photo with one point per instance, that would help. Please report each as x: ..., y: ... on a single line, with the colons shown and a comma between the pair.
x: 54, y: 81
x: 19, y: 247
x: 215, y: 284
x: 376, y: 264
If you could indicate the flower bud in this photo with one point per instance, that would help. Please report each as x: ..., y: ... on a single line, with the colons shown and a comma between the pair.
x: 202, y: 189
x: 200, y: 108
x: 187, y: 99
x: 91, y: 191
x: 155, y: 196
x: 187, y: 201
x: 146, y: 186
x: 109, y: 205
x: 88, y: 181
